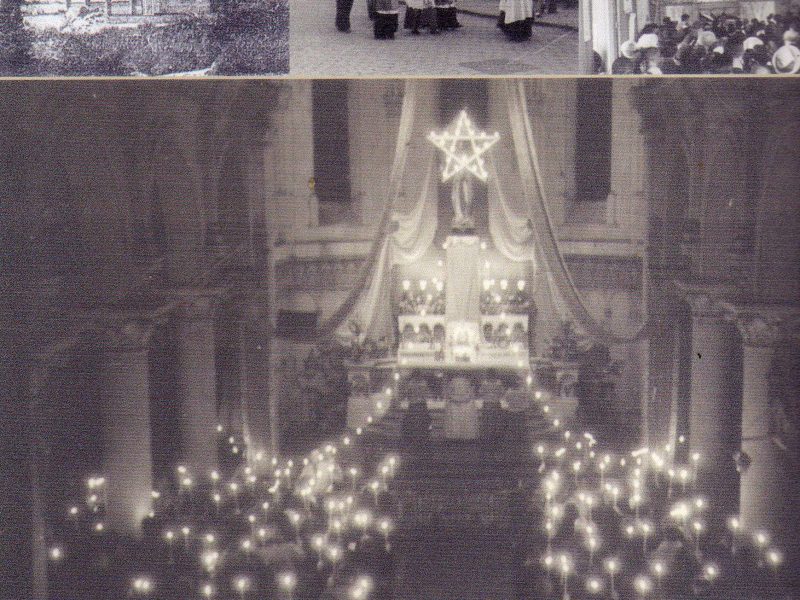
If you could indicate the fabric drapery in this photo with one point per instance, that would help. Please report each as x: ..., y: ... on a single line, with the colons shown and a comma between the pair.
x: 403, y: 237
x: 523, y: 233
x: 334, y: 324
x: 541, y: 224
x: 511, y: 232
x: 413, y: 235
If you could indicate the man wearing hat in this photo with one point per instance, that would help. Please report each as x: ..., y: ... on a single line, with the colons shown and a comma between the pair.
x: 626, y: 63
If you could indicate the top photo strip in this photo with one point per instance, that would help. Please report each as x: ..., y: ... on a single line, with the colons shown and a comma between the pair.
x: 397, y: 38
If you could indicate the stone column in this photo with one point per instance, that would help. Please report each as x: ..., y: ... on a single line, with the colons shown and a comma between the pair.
x: 255, y: 373
x: 196, y: 385
x: 768, y: 484
x: 714, y: 405
x: 123, y: 380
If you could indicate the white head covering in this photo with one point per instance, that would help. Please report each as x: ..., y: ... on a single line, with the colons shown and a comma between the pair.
x: 707, y: 38
x: 751, y: 43
x: 628, y: 49
x: 786, y: 60
x: 648, y: 40
x: 790, y: 36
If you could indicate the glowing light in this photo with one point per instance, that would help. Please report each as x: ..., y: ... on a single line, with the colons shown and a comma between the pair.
x: 775, y: 557
x: 209, y: 560
x: 761, y: 538
x: 643, y: 585
x: 594, y: 585
x: 242, y: 584
x: 56, y: 554
x: 142, y: 586
x: 710, y: 571
x: 458, y: 160
x: 207, y: 590
x: 611, y: 565
x: 734, y: 524
x: 287, y: 580
x: 658, y: 568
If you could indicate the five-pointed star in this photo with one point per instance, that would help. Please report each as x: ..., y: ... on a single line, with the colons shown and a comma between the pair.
x: 463, y: 147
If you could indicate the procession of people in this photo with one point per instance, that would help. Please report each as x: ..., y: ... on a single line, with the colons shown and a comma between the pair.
x: 515, y: 17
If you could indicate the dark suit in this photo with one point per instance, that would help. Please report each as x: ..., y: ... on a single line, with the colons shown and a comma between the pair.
x: 343, y: 8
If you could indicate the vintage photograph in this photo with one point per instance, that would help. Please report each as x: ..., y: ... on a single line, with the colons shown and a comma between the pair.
x: 675, y: 37
x: 386, y: 339
x: 381, y: 38
x: 533, y: 37
x: 138, y: 38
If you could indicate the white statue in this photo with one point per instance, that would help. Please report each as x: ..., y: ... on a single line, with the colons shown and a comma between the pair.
x: 461, y: 197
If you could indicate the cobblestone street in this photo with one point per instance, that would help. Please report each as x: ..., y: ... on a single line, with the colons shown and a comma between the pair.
x: 479, y: 48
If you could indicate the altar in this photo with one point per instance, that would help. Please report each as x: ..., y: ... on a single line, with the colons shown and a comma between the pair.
x: 462, y: 332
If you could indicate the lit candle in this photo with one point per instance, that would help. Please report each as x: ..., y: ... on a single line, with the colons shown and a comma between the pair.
x: 287, y: 581
x: 642, y: 585
x: 646, y: 529
x: 169, y: 536
x: 564, y: 566
x: 385, y: 527
x: 659, y: 569
x: 594, y: 585
x: 697, y: 526
x: 242, y: 585
x: 612, y: 567
x: 592, y: 543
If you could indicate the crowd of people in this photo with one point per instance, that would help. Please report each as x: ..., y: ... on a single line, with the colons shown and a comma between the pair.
x: 713, y: 45
x: 515, y: 18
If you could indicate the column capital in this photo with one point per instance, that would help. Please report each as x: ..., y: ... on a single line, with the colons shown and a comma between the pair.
x: 765, y: 326
x: 195, y: 304
x: 705, y: 298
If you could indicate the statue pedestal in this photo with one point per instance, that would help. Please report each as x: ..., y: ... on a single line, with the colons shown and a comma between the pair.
x: 463, y: 278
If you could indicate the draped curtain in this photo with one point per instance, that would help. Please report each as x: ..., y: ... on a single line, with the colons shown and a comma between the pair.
x: 403, y: 236
x: 545, y: 247
x: 523, y: 233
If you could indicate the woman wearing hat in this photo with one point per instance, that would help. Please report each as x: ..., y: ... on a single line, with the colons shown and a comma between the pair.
x: 786, y: 60
x: 626, y: 63
x: 648, y: 46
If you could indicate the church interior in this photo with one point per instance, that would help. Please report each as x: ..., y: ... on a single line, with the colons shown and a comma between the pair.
x: 432, y: 339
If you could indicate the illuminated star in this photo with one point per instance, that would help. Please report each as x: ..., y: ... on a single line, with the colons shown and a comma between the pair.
x: 463, y: 147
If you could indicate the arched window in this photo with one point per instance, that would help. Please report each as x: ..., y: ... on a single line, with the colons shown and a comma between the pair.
x: 593, y: 140
x: 331, y: 150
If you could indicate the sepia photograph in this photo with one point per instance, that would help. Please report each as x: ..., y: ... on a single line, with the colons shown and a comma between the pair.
x: 751, y: 37
x: 139, y: 38
x: 380, y: 38
x: 400, y: 339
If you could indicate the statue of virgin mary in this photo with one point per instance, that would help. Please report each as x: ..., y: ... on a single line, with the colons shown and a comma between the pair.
x: 461, y: 197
